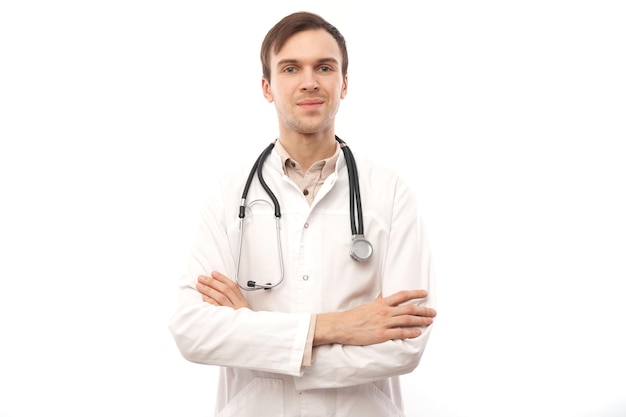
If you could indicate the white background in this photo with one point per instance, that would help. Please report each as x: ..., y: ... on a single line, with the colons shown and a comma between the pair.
x: 508, y: 117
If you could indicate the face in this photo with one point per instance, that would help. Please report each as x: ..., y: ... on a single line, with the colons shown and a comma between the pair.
x: 306, y: 83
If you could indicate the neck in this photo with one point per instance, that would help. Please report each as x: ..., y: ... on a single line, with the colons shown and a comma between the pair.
x: 308, y: 149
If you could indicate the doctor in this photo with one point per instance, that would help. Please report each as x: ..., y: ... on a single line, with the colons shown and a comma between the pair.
x: 298, y: 326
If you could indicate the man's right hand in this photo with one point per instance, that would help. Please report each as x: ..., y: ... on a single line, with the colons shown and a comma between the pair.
x: 220, y: 290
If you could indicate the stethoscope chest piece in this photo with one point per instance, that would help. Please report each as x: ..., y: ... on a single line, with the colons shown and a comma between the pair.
x: 361, y: 249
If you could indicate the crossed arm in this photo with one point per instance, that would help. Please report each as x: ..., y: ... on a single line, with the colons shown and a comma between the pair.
x: 385, y: 318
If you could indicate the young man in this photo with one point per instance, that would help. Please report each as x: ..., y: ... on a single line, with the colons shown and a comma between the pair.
x: 301, y: 322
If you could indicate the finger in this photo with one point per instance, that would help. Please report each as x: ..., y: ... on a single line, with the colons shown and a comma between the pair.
x: 427, y: 312
x: 208, y: 293
x: 214, y: 289
x: 404, y: 296
x: 205, y: 283
x: 220, y: 277
x: 202, y: 288
x: 417, y: 310
x: 215, y: 276
x: 222, y: 283
x: 413, y: 310
x: 228, y: 288
x: 209, y: 300
x: 409, y: 321
x: 220, y: 298
x: 404, y: 333
x: 219, y: 284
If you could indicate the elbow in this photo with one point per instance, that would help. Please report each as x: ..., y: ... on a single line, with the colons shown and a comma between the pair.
x: 182, y: 343
x: 413, y: 351
x: 187, y: 345
x: 195, y: 342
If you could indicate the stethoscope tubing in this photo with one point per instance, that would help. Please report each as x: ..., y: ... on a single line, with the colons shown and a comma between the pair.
x: 355, y: 191
x: 361, y: 249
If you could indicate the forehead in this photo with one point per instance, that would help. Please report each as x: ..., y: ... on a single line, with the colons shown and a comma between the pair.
x: 308, y: 45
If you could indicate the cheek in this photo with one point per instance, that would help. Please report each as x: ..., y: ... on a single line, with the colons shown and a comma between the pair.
x: 281, y: 95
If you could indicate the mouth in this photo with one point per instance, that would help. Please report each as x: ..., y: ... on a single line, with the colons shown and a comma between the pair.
x: 310, y: 103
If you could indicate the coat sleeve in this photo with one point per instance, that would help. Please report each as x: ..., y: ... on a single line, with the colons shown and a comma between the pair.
x: 407, y: 265
x: 206, y: 334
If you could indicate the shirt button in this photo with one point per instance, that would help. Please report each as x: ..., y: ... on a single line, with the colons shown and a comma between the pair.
x: 305, y: 277
x: 305, y: 192
x: 306, y: 225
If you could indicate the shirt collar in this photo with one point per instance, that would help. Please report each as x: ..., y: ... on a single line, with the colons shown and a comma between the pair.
x: 327, y: 165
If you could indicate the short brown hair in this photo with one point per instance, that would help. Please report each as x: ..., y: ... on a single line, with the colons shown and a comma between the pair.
x: 289, y: 26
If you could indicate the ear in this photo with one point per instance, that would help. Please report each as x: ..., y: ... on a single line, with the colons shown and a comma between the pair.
x: 344, y: 87
x: 267, y: 91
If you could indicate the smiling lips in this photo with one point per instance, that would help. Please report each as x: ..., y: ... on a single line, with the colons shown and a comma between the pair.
x: 311, y: 103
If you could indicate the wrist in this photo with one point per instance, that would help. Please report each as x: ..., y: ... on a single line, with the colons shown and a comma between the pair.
x: 325, y: 329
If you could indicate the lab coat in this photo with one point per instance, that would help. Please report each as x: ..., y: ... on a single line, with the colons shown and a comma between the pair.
x: 260, y: 350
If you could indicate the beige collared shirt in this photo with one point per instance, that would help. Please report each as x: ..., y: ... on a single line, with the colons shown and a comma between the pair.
x: 309, y: 182
x: 312, y: 180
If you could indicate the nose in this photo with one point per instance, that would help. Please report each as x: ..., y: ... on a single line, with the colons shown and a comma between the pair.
x: 309, y: 81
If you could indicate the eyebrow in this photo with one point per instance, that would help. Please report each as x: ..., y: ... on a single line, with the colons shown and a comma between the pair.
x: 319, y: 61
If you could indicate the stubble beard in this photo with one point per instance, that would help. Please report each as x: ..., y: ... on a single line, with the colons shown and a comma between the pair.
x: 308, y: 125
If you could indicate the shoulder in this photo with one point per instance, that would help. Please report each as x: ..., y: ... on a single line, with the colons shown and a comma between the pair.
x: 377, y: 174
x: 383, y: 188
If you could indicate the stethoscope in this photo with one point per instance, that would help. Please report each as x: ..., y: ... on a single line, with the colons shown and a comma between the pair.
x: 361, y: 249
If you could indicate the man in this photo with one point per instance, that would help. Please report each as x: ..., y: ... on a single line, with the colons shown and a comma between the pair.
x: 299, y: 327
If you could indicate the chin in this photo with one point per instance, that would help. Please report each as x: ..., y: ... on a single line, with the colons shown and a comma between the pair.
x: 312, y: 128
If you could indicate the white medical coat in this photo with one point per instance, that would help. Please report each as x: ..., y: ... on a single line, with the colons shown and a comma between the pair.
x: 260, y: 350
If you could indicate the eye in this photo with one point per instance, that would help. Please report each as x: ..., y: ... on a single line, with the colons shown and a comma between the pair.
x: 325, y: 68
x: 289, y: 70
